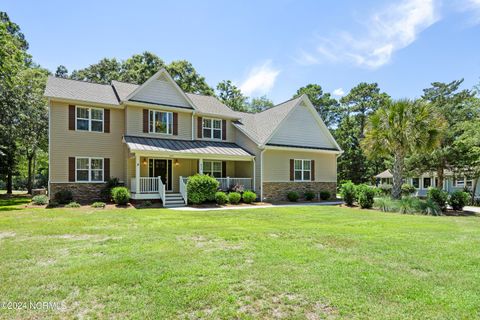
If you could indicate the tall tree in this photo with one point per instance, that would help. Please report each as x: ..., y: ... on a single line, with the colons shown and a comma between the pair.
x: 326, y: 106
x: 104, y: 71
x: 232, y: 96
x: 13, y: 59
x: 188, y: 78
x: 140, y: 67
x: 456, y: 106
x: 260, y: 104
x: 363, y: 100
x: 61, y: 72
x: 401, y: 128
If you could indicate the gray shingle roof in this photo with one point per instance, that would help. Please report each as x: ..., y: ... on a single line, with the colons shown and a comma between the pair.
x: 80, y: 90
x: 211, y: 105
x: 185, y: 146
x: 123, y: 89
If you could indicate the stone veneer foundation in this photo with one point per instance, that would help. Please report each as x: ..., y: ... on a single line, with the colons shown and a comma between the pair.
x: 82, y: 192
x: 277, y: 191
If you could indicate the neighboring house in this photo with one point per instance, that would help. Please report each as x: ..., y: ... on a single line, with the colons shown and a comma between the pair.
x: 451, y: 182
x: 154, y: 136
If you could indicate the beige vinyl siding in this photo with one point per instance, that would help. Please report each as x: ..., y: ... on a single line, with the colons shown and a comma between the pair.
x: 65, y: 143
x: 230, y: 130
x: 246, y: 143
x: 134, y: 115
x: 277, y: 165
x: 302, y: 129
x: 161, y: 91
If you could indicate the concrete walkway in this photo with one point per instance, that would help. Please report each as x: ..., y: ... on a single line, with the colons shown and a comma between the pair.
x: 329, y: 203
x: 473, y: 209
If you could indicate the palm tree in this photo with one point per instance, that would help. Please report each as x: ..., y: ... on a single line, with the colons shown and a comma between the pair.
x: 398, y: 129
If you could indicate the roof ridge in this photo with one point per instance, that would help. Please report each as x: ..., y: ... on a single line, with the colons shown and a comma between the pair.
x: 84, y: 81
x: 133, y: 84
x: 279, y: 104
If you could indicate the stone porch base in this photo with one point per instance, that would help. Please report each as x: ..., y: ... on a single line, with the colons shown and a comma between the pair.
x: 277, y: 191
x: 82, y: 192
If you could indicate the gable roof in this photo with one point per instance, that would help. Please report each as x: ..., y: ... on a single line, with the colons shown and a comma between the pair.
x: 81, y: 91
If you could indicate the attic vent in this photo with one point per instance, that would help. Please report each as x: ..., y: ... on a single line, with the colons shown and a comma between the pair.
x: 162, y: 77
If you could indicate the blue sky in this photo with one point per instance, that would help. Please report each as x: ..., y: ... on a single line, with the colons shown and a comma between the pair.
x: 268, y: 47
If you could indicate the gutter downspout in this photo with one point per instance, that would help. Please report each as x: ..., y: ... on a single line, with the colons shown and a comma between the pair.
x: 261, y: 174
x: 49, y: 146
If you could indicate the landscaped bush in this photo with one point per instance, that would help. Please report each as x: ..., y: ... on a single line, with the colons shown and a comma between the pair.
x: 293, y: 196
x: 249, y: 196
x: 438, y: 196
x: 347, y: 192
x: 234, y: 197
x: 385, y: 204
x: 40, y: 200
x: 52, y: 204
x: 409, y: 205
x: 98, y: 204
x: 458, y: 200
x: 309, y: 195
x: 365, y: 196
x: 106, y: 192
x: 430, y: 207
x: 201, y: 188
x: 73, y: 204
x: 325, y: 195
x: 385, y: 189
x: 63, y: 196
x: 221, y: 197
x: 408, y: 189
x: 120, y: 195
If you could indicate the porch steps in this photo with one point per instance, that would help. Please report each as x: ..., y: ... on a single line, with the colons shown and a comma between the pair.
x: 173, y: 200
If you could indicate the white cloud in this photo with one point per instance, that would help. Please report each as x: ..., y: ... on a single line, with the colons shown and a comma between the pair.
x: 472, y: 6
x: 338, y: 92
x: 388, y: 30
x: 260, y: 79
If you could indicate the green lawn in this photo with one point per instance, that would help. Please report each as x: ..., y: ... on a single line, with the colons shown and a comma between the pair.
x: 292, y: 263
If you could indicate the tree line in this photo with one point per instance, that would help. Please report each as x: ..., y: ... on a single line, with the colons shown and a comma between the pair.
x: 437, y: 132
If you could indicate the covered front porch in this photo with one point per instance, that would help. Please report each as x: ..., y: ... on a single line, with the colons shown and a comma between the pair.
x: 163, y: 174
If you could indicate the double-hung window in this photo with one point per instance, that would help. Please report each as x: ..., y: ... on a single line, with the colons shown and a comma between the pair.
x: 89, y: 169
x: 416, y: 182
x: 303, y: 171
x: 89, y: 119
x: 160, y: 122
x: 461, y: 182
x: 213, y: 168
x: 212, y: 128
x: 427, y: 183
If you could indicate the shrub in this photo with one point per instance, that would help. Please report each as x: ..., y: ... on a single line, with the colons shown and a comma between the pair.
x: 221, y: 197
x: 385, y: 204
x: 249, y: 196
x: 458, y: 200
x: 52, y: 204
x: 40, y: 200
x: 408, y: 189
x: 409, y: 205
x: 347, y: 192
x: 63, y: 196
x: 234, y: 197
x: 201, y: 188
x: 324, y: 195
x: 146, y: 204
x: 309, y: 195
x: 365, y: 196
x: 385, y: 189
x: 73, y: 204
x: 293, y: 196
x: 438, y: 196
x: 106, y: 192
x: 98, y: 204
x: 430, y: 207
x: 120, y: 195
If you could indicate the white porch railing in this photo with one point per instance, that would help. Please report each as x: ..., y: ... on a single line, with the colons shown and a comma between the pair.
x: 183, y: 188
x: 161, y: 190
x: 228, y: 182
x: 149, y: 185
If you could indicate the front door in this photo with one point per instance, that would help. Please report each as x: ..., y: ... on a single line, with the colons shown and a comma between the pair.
x: 161, y: 168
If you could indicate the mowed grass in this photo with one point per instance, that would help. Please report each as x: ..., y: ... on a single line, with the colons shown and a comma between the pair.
x: 291, y: 263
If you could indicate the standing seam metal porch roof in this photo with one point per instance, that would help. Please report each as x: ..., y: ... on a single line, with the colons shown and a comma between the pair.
x: 185, y: 146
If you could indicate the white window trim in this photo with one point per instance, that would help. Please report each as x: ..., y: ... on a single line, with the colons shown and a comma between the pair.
x: 153, y: 125
x: 432, y: 181
x: 411, y: 182
x: 465, y: 181
x: 90, y: 170
x: 211, y: 171
x: 302, y: 170
x: 212, y: 128
x: 90, y: 119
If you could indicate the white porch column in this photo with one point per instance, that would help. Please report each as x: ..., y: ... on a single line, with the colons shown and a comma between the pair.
x: 200, y: 166
x: 137, y: 173
x: 253, y: 179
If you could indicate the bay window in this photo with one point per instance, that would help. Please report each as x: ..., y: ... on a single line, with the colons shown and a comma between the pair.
x: 160, y: 122
x: 89, y: 169
x: 302, y: 170
x: 89, y: 119
x: 212, y: 128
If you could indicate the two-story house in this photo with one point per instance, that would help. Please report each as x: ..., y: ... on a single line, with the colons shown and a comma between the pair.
x: 154, y: 136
